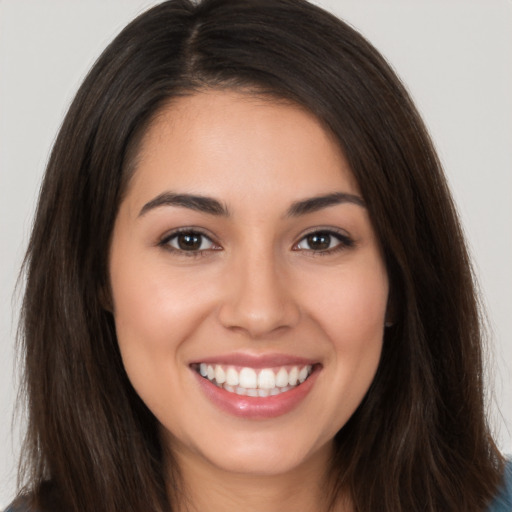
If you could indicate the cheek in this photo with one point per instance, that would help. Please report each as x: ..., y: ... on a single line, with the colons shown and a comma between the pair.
x: 154, y: 312
x: 351, y: 305
x: 350, y: 308
x: 152, y: 304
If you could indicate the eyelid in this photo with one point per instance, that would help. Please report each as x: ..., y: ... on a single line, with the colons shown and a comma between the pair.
x: 165, y: 239
x: 345, y: 240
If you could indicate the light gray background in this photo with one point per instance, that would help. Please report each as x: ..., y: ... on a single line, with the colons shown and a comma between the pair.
x: 454, y: 55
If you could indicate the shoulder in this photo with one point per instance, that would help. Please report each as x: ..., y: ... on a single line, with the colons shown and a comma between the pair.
x: 13, y: 508
x: 45, y: 499
x: 503, y: 500
x: 20, y: 506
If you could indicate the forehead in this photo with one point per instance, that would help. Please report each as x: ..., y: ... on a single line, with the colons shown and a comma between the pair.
x: 233, y: 144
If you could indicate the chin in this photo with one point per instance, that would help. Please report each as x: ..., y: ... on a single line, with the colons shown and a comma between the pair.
x: 264, y: 455
x: 260, y: 463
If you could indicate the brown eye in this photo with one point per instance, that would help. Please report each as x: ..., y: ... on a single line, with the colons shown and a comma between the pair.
x: 189, y: 241
x: 319, y: 241
x: 324, y: 241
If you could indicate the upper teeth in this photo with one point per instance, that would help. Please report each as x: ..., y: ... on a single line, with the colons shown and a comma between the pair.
x: 249, y: 378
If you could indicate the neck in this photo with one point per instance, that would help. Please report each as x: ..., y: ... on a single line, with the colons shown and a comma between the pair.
x: 208, y: 487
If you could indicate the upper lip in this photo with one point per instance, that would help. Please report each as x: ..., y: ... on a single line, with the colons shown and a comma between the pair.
x: 257, y: 360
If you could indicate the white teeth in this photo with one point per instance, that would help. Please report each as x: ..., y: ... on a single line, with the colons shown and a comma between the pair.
x: 232, y: 377
x: 303, y: 374
x: 282, y: 378
x: 248, y: 382
x: 267, y: 379
x: 248, y: 378
x: 220, y: 374
x: 293, y: 376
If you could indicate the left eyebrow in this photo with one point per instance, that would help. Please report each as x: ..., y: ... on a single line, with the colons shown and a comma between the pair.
x: 193, y: 202
x: 314, y: 204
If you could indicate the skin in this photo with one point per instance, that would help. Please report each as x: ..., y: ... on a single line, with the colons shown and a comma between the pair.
x: 257, y: 288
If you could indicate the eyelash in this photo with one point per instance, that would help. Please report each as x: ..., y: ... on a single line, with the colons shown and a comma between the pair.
x: 344, y: 242
x: 165, y: 243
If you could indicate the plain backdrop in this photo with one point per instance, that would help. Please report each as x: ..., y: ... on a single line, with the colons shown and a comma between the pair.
x: 455, y: 57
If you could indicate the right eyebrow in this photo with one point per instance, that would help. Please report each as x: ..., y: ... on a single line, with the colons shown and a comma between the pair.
x: 317, y: 203
x: 193, y: 202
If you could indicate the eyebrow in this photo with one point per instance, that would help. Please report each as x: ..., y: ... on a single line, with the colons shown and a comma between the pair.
x: 314, y: 204
x: 193, y: 202
x: 214, y: 207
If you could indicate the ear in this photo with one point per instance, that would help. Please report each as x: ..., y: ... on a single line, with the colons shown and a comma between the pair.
x: 391, y: 309
x: 105, y: 298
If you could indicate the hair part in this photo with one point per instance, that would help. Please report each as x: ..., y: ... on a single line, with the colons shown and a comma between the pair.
x: 419, y: 440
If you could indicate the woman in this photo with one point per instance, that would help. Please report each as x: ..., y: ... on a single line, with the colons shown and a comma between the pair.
x: 246, y: 283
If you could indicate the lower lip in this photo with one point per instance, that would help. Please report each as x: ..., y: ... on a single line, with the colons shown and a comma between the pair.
x: 257, y: 407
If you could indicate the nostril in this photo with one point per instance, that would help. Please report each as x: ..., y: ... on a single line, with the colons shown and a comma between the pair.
x: 257, y: 318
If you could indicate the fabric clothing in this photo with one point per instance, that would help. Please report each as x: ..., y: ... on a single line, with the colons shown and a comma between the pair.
x: 501, y: 503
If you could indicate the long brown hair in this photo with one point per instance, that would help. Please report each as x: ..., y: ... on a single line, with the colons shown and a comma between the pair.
x: 419, y: 440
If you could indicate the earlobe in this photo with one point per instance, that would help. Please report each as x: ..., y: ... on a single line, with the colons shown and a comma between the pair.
x: 105, y: 298
x: 390, y: 318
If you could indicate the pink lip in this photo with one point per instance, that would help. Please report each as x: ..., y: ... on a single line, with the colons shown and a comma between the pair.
x: 257, y: 361
x: 257, y: 407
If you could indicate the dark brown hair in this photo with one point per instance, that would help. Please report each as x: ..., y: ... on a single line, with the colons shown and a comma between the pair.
x: 419, y: 440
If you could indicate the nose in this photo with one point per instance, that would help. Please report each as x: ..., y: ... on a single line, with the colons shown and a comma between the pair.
x: 258, y: 298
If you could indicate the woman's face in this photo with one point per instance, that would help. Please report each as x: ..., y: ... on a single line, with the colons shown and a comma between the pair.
x: 243, y: 263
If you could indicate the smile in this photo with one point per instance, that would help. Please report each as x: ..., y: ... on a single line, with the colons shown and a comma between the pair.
x: 261, y: 382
